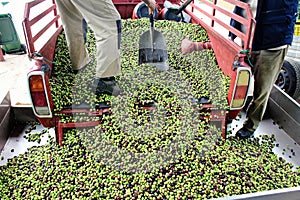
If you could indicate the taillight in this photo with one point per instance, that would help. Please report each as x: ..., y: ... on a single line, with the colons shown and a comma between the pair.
x: 38, y: 94
x: 241, y: 89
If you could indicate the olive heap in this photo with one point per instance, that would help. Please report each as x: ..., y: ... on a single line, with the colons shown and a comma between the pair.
x: 203, y: 166
x: 201, y: 74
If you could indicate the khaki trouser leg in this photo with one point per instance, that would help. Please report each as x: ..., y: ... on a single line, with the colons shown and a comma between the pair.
x: 102, y: 17
x: 267, y: 65
x: 72, y: 23
x: 108, y: 52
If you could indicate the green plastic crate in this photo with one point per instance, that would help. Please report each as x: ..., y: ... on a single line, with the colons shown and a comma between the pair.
x: 9, y: 39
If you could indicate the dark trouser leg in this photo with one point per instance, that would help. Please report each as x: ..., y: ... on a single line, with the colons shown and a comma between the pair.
x: 267, y: 65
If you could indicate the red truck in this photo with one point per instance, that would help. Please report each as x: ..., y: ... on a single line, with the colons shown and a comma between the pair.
x: 229, y: 55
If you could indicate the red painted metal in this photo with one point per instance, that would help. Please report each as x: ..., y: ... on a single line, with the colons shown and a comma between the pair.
x: 60, y: 126
x: 37, y: 64
x: 47, y: 51
x: 226, y: 51
x: 249, y: 23
x: 219, y: 116
x: 1, y: 56
x: 214, y: 34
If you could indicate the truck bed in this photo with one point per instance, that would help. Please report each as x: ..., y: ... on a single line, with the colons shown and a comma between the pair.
x: 287, y: 148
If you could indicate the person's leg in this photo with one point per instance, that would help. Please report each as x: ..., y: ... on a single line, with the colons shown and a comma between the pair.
x: 267, y: 65
x: 84, y: 30
x: 103, y: 18
x: 72, y: 20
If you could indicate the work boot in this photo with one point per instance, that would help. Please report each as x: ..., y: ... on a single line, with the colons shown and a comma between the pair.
x: 77, y: 71
x: 244, y: 133
x: 106, y: 86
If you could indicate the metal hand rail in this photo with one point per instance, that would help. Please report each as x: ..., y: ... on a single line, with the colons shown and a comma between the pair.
x: 29, y: 23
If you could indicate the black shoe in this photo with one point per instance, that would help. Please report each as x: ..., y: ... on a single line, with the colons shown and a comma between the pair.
x: 244, y: 133
x: 106, y: 86
x: 76, y: 71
